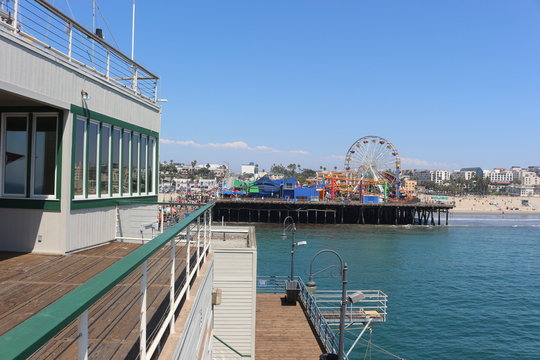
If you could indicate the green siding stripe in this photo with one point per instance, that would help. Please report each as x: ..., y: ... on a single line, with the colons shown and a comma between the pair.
x: 77, y: 110
x: 38, y: 204
x: 103, y: 202
x: 26, y: 338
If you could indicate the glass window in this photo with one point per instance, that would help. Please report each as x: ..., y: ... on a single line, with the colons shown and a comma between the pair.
x: 115, y: 161
x: 125, y: 162
x: 104, y: 160
x: 151, y: 156
x: 78, y: 178
x: 144, y: 153
x: 92, y: 157
x: 16, y: 154
x: 135, y: 164
x: 44, y: 155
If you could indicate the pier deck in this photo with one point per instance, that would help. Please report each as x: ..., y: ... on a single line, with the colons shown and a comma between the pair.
x: 283, y: 331
x: 330, y: 212
x: 30, y: 282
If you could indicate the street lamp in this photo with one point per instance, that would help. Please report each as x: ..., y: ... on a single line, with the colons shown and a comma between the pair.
x: 291, y: 286
x: 358, y: 296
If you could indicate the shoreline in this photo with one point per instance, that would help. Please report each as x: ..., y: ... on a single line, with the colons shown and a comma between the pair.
x: 489, y: 204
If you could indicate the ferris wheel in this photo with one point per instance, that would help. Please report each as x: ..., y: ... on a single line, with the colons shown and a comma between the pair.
x: 373, y: 158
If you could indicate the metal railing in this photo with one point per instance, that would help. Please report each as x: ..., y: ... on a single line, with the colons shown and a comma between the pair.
x: 276, y: 284
x: 25, y: 339
x: 41, y: 24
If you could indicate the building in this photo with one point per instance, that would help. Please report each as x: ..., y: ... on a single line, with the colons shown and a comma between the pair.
x: 78, y: 134
x: 500, y: 176
x: 478, y: 171
x: 409, y: 186
x: 463, y: 174
x: 435, y: 176
x: 250, y: 168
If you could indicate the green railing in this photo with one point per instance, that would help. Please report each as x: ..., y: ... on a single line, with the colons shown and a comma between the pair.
x: 23, y: 340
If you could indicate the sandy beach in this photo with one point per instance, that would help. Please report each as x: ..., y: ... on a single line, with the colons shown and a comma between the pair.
x: 491, y: 204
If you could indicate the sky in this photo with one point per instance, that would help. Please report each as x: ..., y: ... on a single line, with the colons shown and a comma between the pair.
x: 451, y: 84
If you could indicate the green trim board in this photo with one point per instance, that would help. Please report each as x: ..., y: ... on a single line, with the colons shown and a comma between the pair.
x: 102, y: 202
x: 23, y: 340
x: 25, y: 203
x: 77, y: 110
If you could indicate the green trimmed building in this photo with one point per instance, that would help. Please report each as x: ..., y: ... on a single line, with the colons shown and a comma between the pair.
x: 79, y: 134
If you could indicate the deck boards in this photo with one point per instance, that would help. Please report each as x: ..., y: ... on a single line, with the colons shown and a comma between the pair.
x: 29, y: 283
x: 283, y: 331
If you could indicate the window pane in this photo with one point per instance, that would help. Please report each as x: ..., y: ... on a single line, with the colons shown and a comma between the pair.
x: 92, y: 158
x: 16, y: 155
x: 115, y: 174
x: 143, y: 164
x: 151, y: 152
x: 104, y: 160
x: 45, y: 155
x: 135, y: 164
x: 79, y: 156
x: 125, y: 162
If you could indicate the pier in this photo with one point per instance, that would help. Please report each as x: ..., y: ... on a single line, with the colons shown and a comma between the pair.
x: 330, y: 212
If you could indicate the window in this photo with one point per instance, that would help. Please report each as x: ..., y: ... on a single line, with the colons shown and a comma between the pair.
x: 28, y: 154
x: 92, y: 147
x: 104, y: 160
x: 115, y: 161
x: 144, y: 154
x: 135, y: 164
x: 78, y: 176
x: 16, y: 154
x: 151, y: 157
x: 125, y: 162
x: 44, y: 155
x: 109, y: 161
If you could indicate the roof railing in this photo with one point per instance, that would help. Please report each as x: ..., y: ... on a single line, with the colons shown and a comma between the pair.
x: 41, y: 24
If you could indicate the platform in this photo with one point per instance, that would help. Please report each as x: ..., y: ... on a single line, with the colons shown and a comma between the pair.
x: 283, y: 332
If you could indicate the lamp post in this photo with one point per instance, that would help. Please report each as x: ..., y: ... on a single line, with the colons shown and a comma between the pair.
x: 311, y: 285
x: 292, y: 228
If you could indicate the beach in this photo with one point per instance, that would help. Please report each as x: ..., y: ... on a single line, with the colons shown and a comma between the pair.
x: 490, y: 204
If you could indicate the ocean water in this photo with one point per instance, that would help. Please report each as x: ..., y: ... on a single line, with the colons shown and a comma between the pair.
x: 470, y: 290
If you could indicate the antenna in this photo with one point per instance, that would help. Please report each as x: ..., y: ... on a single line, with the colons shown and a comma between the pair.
x: 133, y: 33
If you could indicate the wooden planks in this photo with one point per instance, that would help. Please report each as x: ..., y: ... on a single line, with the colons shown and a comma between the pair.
x: 283, y: 331
x: 29, y: 283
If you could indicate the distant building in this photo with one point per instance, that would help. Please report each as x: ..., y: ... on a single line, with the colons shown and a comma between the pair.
x: 250, y: 168
x: 436, y: 176
x: 463, y: 174
x: 478, y: 171
x: 500, y: 176
x: 409, y: 186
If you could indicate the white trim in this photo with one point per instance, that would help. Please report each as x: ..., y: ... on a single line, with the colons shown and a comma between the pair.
x: 33, y: 155
x: 88, y: 195
x: 83, y: 195
x: 3, y: 153
x: 109, y: 183
x: 117, y: 194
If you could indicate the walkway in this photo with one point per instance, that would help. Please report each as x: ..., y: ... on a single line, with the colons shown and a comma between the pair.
x: 283, y: 332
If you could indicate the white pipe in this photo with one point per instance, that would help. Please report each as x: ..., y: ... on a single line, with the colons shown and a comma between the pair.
x: 171, y: 296
x: 133, y: 33
x: 83, y: 335
x: 142, y: 331
x: 358, y: 338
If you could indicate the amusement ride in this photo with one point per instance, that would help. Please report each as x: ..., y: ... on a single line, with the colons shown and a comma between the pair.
x: 372, y: 167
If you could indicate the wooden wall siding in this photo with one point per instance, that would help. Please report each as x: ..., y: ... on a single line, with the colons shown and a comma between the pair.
x: 21, y: 228
x: 90, y: 227
x: 39, y: 75
x: 132, y: 217
x: 234, y: 319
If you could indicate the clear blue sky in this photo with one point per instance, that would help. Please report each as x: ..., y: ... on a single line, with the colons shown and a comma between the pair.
x: 451, y: 83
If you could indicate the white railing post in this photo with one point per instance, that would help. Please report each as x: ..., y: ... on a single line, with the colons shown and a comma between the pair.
x: 135, y: 74
x: 171, y: 295
x: 210, y: 230
x: 15, y: 14
x: 162, y: 216
x: 205, y: 239
x: 188, y: 280
x: 108, y: 73
x: 142, y: 332
x: 83, y: 336
x: 198, y: 243
x: 70, y: 43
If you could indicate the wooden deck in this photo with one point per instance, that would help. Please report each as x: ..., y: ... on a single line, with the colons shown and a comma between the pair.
x: 29, y: 283
x: 283, y: 332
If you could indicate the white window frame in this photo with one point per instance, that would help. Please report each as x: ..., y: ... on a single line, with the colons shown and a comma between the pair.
x: 98, y: 144
x: 3, y: 154
x: 33, y: 156
x: 128, y: 194
x: 117, y: 194
x: 109, y: 171
x: 85, y: 120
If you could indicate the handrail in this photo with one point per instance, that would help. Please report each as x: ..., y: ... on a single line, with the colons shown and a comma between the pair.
x: 27, y: 337
x: 230, y: 347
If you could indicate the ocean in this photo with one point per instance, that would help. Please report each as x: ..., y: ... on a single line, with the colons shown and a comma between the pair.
x: 470, y: 290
